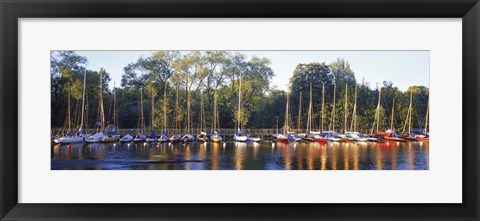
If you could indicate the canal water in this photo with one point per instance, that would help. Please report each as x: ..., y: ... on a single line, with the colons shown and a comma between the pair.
x: 241, y: 156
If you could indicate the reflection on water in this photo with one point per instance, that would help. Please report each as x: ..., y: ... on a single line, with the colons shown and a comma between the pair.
x: 242, y: 156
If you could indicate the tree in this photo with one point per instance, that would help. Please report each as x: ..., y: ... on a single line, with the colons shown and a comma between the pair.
x: 256, y: 75
x: 318, y: 74
x: 158, y: 68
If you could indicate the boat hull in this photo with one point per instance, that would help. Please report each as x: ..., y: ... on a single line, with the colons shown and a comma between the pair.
x: 240, y: 138
x: 93, y: 140
x: 202, y: 139
x: 308, y: 139
x: 67, y: 140
x: 254, y: 139
x: 111, y: 139
x: 321, y: 139
x: 334, y: 139
x: 126, y: 138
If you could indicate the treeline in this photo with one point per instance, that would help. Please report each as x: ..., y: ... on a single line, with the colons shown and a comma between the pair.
x: 175, y: 84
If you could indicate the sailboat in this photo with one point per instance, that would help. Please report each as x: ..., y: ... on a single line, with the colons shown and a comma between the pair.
x: 128, y: 137
x: 215, y: 136
x: 253, y: 138
x: 239, y: 136
x: 164, y: 137
x: 425, y: 136
x: 318, y: 136
x: 418, y: 137
x: 331, y: 135
x: 141, y: 136
x: 202, y: 137
x: 308, y: 137
x: 389, y: 134
x: 353, y: 134
x: 98, y: 137
x: 111, y: 134
x: 152, y: 137
x: 299, y: 118
x: 175, y: 138
x: 71, y: 137
x: 283, y: 137
x: 188, y: 137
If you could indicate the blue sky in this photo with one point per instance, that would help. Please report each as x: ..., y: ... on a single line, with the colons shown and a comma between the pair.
x: 403, y: 68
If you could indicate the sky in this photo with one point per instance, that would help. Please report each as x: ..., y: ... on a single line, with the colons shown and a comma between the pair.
x: 402, y: 68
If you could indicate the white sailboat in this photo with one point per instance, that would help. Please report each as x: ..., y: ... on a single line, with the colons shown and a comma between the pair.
x: 141, y: 136
x: 73, y: 137
x: 126, y: 138
x: 283, y: 137
x: 98, y: 137
x: 215, y: 136
x: 164, y: 137
x: 425, y: 136
x: 353, y: 133
x: 239, y: 136
x: 202, y: 137
x: 111, y: 134
x: 331, y: 135
x: 175, y: 138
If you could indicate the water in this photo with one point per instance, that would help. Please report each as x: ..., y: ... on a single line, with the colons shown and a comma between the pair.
x: 241, y: 156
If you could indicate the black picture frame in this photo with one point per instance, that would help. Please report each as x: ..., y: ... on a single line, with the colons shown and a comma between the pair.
x: 11, y: 11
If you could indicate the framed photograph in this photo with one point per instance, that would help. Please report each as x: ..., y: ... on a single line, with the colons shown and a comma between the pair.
x: 287, y: 110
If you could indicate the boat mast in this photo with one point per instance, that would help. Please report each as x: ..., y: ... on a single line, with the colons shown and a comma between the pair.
x: 214, y: 111
x: 152, y: 115
x: 377, y: 112
x: 353, y: 125
x: 393, y: 111
x: 165, y: 107
x: 285, y: 126
x: 426, y: 118
x: 323, y: 104
x: 102, y: 114
x: 177, y: 126
x: 309, y: 121
x: 378, y: 108
x: 83, y: 96
x: 239, y: 101
x: 114, y: 105
x: 201, y: 113
x: 345, y: 108
x: 407, y: 119
x: 218, y: 118
x: 68, y: 108
x: 333, y: 108
x: 142, y: 118
x: 188, y: 107
x: 410, y: 109
x: 299, y: 120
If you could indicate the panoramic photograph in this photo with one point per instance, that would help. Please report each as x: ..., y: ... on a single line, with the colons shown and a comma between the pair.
x: 239, y: 110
